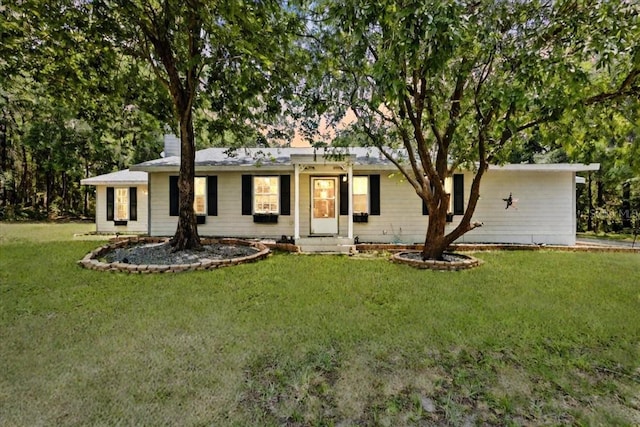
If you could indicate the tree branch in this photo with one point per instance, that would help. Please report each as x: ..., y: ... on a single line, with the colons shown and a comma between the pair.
x: 626, y: 88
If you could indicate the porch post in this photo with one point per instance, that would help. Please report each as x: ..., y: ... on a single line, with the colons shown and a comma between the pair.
x: 296, y: 202
x: 350, y: 186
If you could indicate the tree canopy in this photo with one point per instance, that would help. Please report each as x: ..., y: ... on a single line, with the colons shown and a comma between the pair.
x: 435, y: 85
x: 232, y: 51
x: 458, y: 83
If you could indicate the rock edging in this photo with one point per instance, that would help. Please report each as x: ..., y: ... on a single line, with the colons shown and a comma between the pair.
x: 92, y: 261
x: 466, y: 262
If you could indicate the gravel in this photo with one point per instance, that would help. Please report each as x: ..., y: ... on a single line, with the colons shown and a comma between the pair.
x: 161, y: 254
x: 448, y: 257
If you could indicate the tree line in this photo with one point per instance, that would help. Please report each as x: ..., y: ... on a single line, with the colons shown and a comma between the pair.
x: 90, y: 87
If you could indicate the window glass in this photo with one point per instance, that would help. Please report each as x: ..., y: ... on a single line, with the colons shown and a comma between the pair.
x: 360, y: 194
x: 200, y: 196
x: 324, y: 198
x: 266, y: 197
x: 122, y: 204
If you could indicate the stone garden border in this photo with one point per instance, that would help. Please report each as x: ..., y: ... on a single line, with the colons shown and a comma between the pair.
x: 91, y: 260
x: 465, y: 263
x: 397, y: 249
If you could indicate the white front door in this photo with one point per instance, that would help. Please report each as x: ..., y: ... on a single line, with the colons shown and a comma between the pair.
x: 324, y: 206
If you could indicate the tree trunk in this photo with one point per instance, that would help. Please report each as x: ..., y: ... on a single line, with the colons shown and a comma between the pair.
x: 65, y: 205
x: 4, y: 156
x: 49, y: 191
x: 435, y: 243
x: 626, y: 204
x: 85, y: 205
x: 186, y: 236
x: 24, y: 193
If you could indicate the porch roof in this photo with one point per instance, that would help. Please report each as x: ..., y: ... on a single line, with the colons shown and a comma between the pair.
x: 123, y: 177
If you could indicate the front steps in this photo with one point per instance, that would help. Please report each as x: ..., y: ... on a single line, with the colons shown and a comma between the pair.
x: 326, y: 245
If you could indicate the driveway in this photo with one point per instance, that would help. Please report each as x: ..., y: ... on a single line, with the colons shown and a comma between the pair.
x: 591, y: 241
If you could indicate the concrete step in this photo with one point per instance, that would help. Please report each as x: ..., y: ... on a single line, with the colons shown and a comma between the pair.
x: 329, y: 245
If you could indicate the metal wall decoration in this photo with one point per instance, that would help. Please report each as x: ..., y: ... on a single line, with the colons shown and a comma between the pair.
x: 510, y: 202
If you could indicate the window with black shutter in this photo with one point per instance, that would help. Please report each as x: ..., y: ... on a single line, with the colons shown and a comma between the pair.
x: 285, y: 195
x: 212, y: 196
x: 458, y: 194
x: 174, y: 196
x: 110, y: 203
x: 133, y: 204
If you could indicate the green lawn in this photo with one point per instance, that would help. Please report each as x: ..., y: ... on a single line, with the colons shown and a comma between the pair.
x: 535, y: 338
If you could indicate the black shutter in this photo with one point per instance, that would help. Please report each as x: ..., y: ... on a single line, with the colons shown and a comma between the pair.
x: 374, y: 195
x: 174, y: 196
x: 133, y: 204
x: 247, y: 184
x: 285, y: 194
x: 110, y: 203
x: 344, y: 195
x: 212, y: 195
x: 458, y: 194
x: 425, y: 208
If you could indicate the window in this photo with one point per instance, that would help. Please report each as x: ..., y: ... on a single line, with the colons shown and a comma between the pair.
x: 365, y: 196
x: 360, y: 194
x: 265, y: 195
x: 122, y: 204
x: 200, y: 197
x: 205, y: 200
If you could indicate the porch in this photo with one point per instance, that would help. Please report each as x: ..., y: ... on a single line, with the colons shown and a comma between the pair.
x: 317, y: 201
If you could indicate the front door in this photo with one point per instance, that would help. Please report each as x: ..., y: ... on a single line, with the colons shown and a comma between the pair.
x: 324, y: 206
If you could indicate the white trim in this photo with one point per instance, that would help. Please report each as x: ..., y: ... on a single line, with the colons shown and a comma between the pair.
x: 547, y: 167
x: 574, y: 207
x: 328, y: 225
x: 296, y: 203
x: 350, y: 213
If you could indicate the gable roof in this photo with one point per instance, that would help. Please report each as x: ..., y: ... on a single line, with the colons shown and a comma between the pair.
x: 283, y: 158
x: 123, y: 177
x: 268, y: 157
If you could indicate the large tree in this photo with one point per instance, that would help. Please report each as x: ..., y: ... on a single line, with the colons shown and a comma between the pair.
x: 439, y: 85
x: 232, y: 51
x: 69, y: 107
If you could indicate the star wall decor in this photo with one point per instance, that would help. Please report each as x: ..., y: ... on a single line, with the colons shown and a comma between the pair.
x: 511, y: 202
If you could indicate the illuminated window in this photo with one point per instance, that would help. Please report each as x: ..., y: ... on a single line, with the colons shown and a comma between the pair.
x: 122, y: 204
x: 360, y: 194
x: 200, y: 196
x: 265, y: 194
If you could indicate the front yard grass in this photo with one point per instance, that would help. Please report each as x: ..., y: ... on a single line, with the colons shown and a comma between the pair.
x: 528, y: 338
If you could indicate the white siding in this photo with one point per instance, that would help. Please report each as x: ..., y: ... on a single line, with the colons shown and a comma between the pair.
x: 138, y: 226
x: 400, y: 219
x: 544, y: 212
x: 161, y: 224
x: 229, y: 221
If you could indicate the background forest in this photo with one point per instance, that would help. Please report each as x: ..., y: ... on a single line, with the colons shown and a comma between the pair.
x: 72, y: 106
